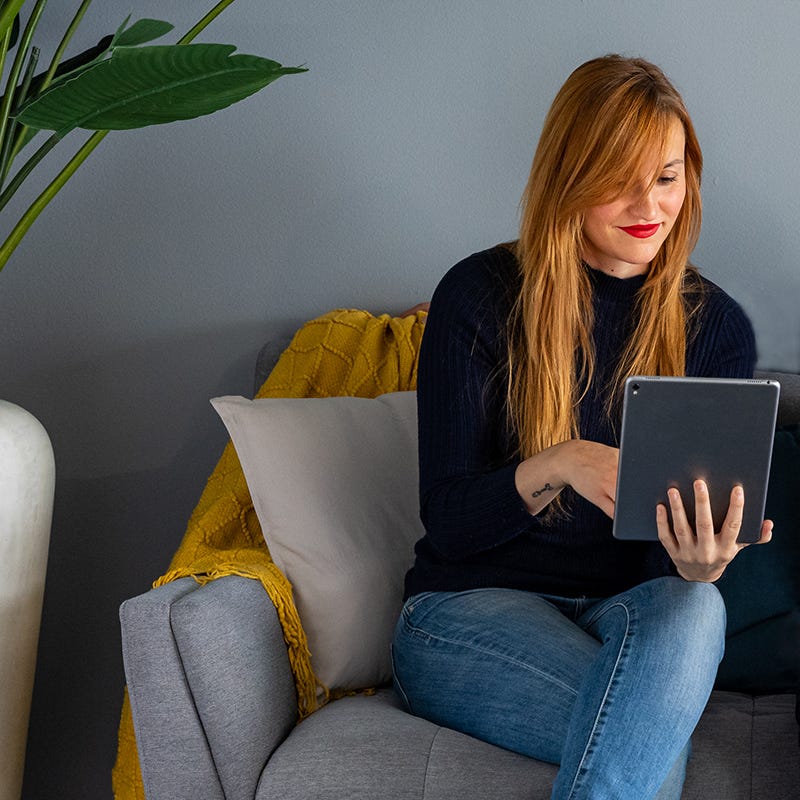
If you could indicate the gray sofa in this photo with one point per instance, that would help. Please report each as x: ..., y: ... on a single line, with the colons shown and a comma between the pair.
x: 214, y: 710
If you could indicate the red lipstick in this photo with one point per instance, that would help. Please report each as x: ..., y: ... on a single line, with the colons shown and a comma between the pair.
x: 641, y: 231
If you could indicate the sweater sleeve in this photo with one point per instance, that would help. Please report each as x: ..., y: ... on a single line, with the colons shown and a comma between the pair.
x: 469, y: 502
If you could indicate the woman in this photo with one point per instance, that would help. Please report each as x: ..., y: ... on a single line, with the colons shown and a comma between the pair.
x: 526, y: 623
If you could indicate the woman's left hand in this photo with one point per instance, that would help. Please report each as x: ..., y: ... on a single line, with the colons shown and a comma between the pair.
x: 703, y: 554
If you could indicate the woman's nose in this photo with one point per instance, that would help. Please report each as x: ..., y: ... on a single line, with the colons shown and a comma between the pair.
x: 644, y: 204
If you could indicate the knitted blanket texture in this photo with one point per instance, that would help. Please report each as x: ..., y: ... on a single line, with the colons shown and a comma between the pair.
x: 342, y: 353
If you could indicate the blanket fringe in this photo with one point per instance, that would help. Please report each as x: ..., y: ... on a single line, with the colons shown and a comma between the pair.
x: 311, y: 692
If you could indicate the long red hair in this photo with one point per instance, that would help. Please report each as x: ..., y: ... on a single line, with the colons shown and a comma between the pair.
x: 599, y: 137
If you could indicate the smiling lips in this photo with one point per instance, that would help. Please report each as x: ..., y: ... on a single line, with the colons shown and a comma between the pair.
x: 641, y: 231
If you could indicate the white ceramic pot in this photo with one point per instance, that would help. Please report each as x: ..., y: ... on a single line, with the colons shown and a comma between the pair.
x: 27, y: 483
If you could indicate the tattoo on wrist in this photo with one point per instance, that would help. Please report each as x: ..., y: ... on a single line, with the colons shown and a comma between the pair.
x: 546, y: 488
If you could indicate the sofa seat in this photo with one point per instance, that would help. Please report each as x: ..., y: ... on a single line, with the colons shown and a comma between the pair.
x: 368, y: 747
x: 743, y: 748
x: 213, y: 701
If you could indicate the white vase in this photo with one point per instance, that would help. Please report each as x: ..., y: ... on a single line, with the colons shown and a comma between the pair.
x: 27, y: 483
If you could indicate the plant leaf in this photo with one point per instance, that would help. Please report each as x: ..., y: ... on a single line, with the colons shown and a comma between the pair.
x: 151, y: 85
x: 145, y: 30
x: 141, y: 32
x: 119, y: 30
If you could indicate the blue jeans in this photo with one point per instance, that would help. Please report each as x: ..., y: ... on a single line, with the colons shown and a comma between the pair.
x: 609, y: 689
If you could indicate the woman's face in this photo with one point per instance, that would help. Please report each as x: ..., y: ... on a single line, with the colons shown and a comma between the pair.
x: 622, y: 237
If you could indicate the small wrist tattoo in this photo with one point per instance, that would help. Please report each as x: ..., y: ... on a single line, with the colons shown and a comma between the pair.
x: 546, y: 488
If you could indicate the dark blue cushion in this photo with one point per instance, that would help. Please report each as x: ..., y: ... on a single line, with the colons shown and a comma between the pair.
x: 761, y: 588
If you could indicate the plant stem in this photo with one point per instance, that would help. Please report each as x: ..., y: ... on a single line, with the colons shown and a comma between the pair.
x: 7, y: 152
x: 19, y: 136
x: 22, y: 52
x: 4, y: 48
x: 10, y: 10
x: 205, y: 22
x: 38, y: 205
x: 27, y: 168
x: 73, y: 26
x: 13, y: 76
x: 25, y: 87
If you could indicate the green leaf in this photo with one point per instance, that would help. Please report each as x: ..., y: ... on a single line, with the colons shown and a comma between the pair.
x: 141, y: 32
x: 145, y: 30
x: 151, y: 85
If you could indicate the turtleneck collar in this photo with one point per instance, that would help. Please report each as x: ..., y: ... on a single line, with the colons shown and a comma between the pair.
x: 612, y: 289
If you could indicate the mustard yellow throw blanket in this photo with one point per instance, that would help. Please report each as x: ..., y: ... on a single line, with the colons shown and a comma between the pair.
x: 343, y: 353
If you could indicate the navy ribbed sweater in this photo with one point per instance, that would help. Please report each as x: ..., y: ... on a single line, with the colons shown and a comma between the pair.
x: 478, y: 532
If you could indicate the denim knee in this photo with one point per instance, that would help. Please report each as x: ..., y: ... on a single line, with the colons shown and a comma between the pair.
x: 706, y: 597
x: 682, y: 618
x: 703, y: 604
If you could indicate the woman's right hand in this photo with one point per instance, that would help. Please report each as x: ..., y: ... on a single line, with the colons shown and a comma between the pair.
x: 592, y: 472
x: 588, y: 467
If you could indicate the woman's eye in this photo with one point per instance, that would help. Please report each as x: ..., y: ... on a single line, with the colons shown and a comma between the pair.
x: 666, y: 179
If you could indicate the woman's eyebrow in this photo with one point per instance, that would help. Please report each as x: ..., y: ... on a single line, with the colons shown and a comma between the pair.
x: 673, y: 163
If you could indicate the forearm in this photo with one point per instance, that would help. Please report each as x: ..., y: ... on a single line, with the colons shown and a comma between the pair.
x: 470, y: 514
x: 587, y: 467
x: 539, y: 479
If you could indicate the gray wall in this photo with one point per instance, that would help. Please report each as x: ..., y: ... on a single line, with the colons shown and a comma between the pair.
x: 151, y: 282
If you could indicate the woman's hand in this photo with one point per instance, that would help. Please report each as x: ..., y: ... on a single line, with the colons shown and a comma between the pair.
x: 702, y: 554
x: 588, y: 467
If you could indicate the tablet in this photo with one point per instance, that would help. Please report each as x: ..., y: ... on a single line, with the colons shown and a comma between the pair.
x: 676, y: 430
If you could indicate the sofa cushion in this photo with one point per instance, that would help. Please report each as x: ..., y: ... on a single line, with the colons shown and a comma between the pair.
x: 762, y: 590
x: 744, y: 748
x: 334, y: 485
x: 367, y: 747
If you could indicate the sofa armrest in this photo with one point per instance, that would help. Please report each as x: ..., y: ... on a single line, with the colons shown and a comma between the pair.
x: 212, y: 694
x: 173, y: 751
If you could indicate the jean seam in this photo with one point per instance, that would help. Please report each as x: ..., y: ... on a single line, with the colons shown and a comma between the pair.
x: 398, y: 683
x: 486, y: 651
x: 592, y: 734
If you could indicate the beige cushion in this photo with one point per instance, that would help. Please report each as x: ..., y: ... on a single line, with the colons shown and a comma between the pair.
x: 334, y: 483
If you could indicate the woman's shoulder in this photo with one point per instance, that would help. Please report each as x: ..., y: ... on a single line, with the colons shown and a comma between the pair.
x: 490, y: 275
x: 712, y: 300
x: 474, y: 300
x: 722, y: 339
